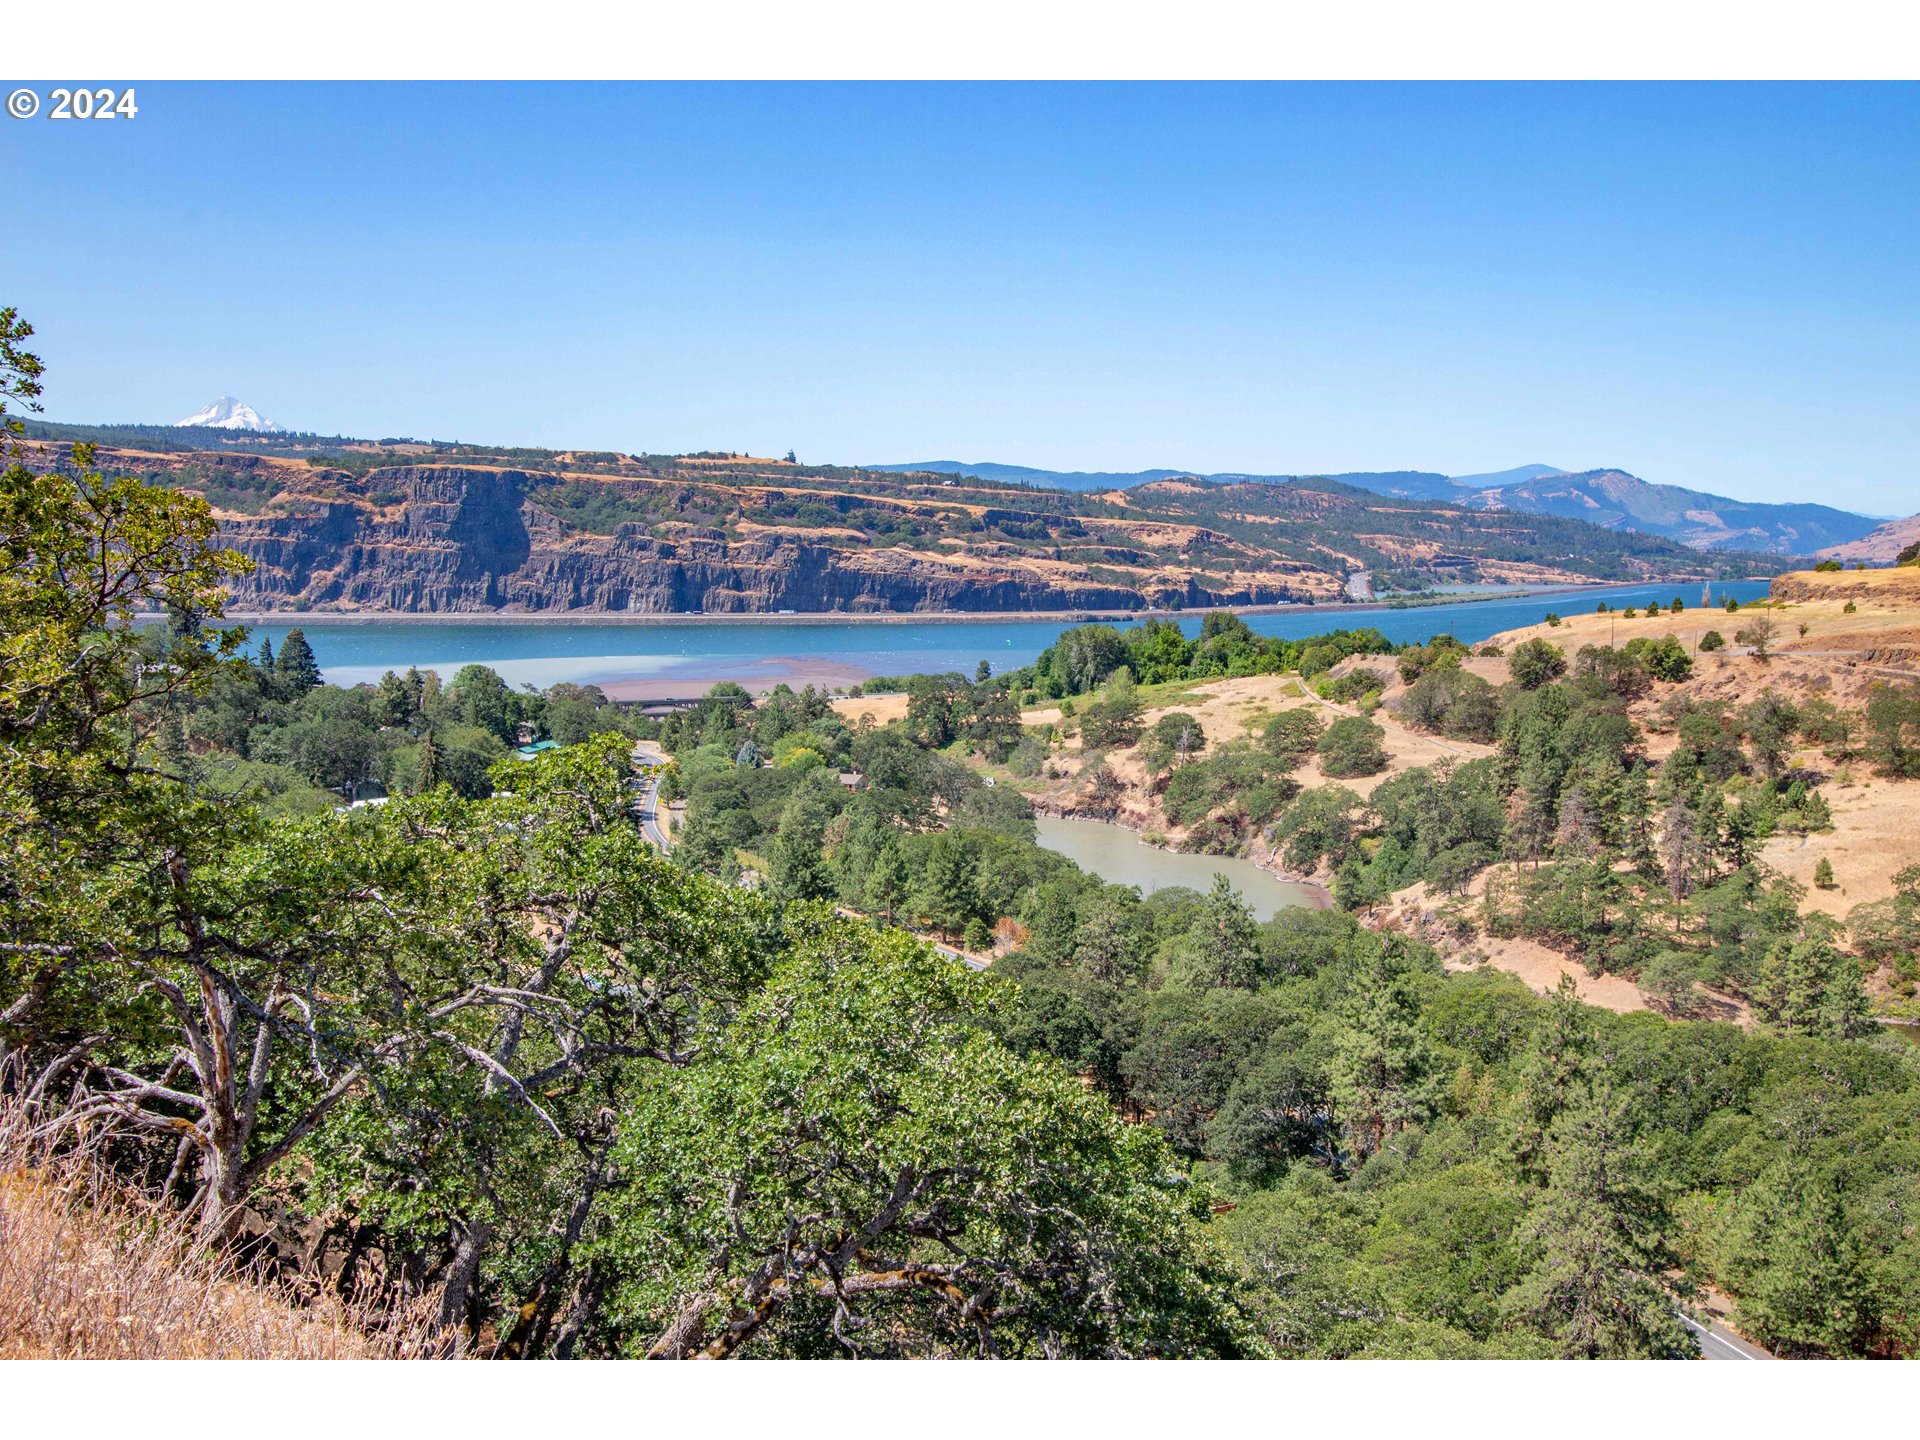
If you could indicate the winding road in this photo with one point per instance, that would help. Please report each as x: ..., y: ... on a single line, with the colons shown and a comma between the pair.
x: 648, y: 759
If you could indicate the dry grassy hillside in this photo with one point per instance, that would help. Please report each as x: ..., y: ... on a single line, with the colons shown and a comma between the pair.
x: 1840, y: 657
x: 90, y: 1270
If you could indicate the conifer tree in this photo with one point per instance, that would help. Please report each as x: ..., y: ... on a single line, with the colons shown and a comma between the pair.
x: 1595, y: 1288
x: 1230, y: 953
x: 296, y: 668
x: 427, y: 774
x: 1797, y: 1262
x: 1381, y: 1066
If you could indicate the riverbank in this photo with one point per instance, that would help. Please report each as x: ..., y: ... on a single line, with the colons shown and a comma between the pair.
x: 914, y: 617
x: 1088, y: 840
x: 674, y: 657
x: 758, y: 677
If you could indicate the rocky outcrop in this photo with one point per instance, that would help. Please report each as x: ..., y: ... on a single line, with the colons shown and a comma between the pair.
x: 1899, y: 586
x: 448, y: 538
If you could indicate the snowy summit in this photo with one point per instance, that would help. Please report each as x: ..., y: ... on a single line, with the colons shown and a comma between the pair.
x: 227, y: 413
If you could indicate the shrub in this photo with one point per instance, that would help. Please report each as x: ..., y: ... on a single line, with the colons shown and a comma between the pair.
x: 1713, y: 640
x: 1292, y: 734
x: 1758, y: 636
x: 1452, y: 702
x: 1536, y: 662
x: 1236, y: 775
x: 1347, y: 688
x: 1665, y: 659
x: 1352, y: 747
x: 1174, y: 739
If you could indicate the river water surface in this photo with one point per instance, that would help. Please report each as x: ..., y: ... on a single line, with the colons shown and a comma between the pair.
x: 1117, y: 855
x: 693, y: 654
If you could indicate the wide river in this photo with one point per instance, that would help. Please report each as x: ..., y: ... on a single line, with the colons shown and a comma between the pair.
x: 693, y: 654
x: 1117, y: 855
x: 641, y: 657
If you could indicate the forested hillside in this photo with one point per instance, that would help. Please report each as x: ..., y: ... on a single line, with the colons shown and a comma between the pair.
x: 1612, y: 499
x: 1415, y: 1153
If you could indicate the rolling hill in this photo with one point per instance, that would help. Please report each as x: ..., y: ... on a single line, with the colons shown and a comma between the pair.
x: 1606, y: 497
x: 1879, y: 547
x: 1705, y: 522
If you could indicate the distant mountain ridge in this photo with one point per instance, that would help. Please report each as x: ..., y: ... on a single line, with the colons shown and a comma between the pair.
x: 1608, y: 497
x: 1881, y: 547
x: 1695, y: 518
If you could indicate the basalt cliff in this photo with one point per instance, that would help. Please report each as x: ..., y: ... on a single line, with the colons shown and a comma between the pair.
x: 470, y: 539
x: 416, y: 528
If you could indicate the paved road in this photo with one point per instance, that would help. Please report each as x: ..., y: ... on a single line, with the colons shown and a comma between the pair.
x: 1719, y: 1343
x: 960, y: 955
x: 946, y: 950
x: 647, y: 756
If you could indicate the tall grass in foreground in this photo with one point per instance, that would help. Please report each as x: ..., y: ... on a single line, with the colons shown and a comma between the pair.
x: 92, y: 1270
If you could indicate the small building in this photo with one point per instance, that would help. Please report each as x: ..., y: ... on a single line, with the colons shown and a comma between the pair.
x: 537, y: 747
x: 852, y: 780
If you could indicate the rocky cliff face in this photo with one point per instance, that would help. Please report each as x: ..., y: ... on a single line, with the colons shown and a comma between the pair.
x: 1897, y: 586
x: 462, y: 538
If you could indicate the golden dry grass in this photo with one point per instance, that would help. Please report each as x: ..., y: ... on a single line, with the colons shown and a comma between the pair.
x: 91, y: 1271
x: 882, y: 709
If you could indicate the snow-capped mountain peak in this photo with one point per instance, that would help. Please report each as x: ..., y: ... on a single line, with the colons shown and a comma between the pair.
x: 227, y: 413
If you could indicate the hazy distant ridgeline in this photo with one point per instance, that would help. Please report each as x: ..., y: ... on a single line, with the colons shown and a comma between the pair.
x: 1607, y: 497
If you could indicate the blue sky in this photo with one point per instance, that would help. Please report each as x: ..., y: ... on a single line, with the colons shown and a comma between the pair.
x: 1708, y: 285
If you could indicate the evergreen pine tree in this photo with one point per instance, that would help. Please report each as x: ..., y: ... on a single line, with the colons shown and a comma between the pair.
x: 945, y: 892
x: 888, y: 882
x: 427, y: 774
x: 1808, y: 987
x: 1548, y: 1072
x: 392, y: 706
x: 1229, y: 953
x: 1595, y: 1288
x: 296, y: 668
x: 797, y: 861
x: 1381, y: 1066
x: 1797, y: 1263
